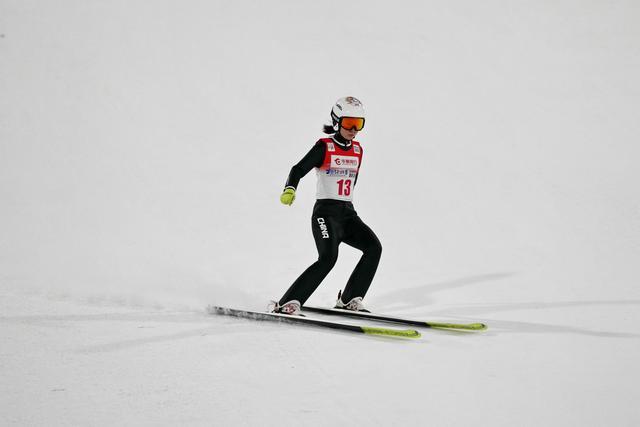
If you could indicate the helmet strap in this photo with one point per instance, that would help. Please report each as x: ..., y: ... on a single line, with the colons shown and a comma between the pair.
x: 336, y: 121
x: 341, y: 140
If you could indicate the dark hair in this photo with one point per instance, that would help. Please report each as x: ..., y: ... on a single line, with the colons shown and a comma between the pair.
x: 328, y: 129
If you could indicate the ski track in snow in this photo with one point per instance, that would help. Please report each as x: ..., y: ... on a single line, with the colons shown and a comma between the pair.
x: 168, y: 366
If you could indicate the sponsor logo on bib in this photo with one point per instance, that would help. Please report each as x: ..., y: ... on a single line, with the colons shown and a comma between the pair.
x: 344, y: 162
x: 340, y: 172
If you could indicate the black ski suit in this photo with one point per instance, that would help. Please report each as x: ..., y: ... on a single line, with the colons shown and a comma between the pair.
x: 340, y: 221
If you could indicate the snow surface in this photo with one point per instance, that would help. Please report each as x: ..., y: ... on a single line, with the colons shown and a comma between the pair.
x: 143, y: 148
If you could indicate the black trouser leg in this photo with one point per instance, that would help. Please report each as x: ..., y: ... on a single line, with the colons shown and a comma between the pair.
x: 361, y: 237
x: 326, y: 233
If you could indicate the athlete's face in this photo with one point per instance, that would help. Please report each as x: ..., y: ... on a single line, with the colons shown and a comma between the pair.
x: 348, y: 134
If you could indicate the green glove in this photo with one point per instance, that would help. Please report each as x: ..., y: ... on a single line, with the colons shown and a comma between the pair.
x: 288, y: 196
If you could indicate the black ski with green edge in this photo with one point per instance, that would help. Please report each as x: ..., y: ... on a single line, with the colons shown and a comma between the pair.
x: 392, y: 319
x: 257, y: 315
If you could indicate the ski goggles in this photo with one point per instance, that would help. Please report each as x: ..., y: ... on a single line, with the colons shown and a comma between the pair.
x: 350, y: 123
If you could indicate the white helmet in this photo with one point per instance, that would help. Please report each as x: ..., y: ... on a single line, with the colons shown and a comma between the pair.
x: 346, y: 107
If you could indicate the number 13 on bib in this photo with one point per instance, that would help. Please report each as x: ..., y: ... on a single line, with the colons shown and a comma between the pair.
x: 338, y: 172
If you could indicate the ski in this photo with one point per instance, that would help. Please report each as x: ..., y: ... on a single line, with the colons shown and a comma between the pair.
x: 391, y: 319
x: 256, y: 315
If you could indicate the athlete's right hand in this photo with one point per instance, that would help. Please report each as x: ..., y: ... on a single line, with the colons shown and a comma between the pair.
x: 288, y: 196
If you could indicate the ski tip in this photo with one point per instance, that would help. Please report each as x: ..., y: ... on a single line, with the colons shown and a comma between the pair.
x: 459, y: 326
x: 403, y: 333
x: 476, y: 327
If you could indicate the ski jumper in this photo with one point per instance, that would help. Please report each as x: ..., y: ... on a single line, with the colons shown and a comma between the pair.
x: 334, y: 219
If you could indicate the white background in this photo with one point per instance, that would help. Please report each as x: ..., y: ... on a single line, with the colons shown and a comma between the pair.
x: 143, y: 149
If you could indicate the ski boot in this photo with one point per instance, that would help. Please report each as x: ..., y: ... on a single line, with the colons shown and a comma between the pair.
x: 354, y: 305
x: 291, y: 308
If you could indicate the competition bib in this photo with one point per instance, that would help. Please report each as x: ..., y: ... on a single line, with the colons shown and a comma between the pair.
x: 337, y: 174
